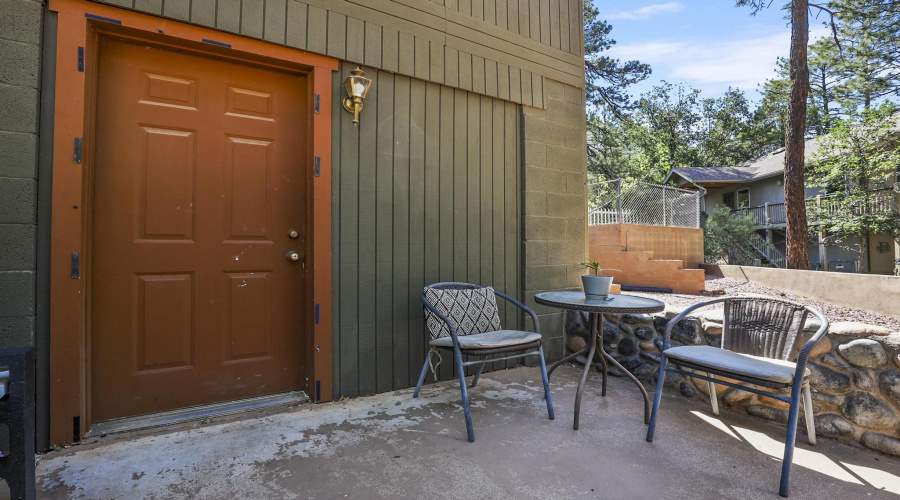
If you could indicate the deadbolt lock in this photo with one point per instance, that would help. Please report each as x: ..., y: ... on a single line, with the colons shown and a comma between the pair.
x: 293, y: 234
x: 293, y: 256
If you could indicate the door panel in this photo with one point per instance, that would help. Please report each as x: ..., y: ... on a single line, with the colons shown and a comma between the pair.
x: 199, y: 174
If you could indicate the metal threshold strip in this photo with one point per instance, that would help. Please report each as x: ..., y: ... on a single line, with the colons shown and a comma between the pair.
x: 195, y: 413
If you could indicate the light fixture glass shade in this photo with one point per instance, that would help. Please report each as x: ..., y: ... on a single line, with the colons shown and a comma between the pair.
x: 357, y: 85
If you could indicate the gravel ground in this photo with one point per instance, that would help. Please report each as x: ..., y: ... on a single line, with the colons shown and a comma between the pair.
x: 731, y: 287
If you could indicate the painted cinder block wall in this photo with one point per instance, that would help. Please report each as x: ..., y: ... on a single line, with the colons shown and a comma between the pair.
x: 20, y: 65
x: 555, y: 210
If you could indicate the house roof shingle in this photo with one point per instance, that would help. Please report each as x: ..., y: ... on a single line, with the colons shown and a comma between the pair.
x: 767, y: 166
x: 760, y: 168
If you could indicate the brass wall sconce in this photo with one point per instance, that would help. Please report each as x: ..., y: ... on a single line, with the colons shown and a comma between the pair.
x: 357, y: 87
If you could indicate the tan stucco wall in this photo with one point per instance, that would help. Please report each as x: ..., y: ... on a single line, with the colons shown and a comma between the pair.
x: 637, y: 255
x: 678, y: 243
x: 882, y: 262
x: 865, y: 291
x: 555, y: 202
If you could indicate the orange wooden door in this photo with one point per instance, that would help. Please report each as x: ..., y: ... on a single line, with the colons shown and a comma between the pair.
x: 199, y: 177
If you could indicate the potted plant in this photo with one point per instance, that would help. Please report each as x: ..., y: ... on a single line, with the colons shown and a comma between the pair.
x: 596, y: 285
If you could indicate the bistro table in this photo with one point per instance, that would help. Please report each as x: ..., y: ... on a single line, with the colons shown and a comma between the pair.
x: 614, y: 304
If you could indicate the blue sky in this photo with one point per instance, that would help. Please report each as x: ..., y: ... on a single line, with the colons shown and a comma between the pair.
x: 709, y: 44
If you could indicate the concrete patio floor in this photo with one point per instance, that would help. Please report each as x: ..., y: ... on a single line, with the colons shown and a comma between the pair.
x: 394, y: 446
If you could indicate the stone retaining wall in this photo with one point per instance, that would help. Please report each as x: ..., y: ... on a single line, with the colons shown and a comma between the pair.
x: 855, y: 372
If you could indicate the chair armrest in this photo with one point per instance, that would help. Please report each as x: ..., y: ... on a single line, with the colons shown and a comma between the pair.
x: 534, y: 318
x: 674, y: 321
x: 808, y: 346
x: 441, y: 315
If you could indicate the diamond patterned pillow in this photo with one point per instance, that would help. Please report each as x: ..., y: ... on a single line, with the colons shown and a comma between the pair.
x: 473, y: 311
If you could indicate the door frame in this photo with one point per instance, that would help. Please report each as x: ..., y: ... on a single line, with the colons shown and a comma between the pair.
x: 80, y: 24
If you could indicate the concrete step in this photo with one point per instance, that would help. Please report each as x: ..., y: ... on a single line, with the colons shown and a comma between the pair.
x: 607, y: 248
x: 669, y: 264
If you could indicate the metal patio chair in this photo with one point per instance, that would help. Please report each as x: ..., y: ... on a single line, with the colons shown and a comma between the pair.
x: 463, y: 317
x: 759, y: 337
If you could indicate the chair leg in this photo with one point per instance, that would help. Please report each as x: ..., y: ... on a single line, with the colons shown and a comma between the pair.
x: 465, y: 394
x: 657, y: 397
x: 784, y: 489
x: 713, y: 397
x: 477, y: 375
x: 421, y: 377
x: 808, y: 413
x: 546, y: 384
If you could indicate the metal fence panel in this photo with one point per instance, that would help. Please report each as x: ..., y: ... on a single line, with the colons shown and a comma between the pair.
x: 621, y: 202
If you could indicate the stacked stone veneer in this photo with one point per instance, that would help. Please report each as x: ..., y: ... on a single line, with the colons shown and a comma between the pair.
x: 855, y: 372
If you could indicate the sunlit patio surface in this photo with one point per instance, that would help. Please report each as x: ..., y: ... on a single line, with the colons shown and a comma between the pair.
x: 394, y: 446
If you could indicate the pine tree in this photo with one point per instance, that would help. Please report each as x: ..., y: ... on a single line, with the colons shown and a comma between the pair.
x: 795, y: 136
x: 869, y: 33
x: 607, y: 79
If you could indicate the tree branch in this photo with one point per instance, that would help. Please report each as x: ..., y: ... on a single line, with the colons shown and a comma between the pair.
x: 834, y: 31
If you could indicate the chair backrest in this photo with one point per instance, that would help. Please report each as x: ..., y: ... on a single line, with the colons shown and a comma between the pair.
x: 762, y: 326
x: 454, y: 285
x: 471, y: 315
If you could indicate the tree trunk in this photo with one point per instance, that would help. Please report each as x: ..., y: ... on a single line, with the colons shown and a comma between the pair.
x: 826, y: 119
x: 794, y: 137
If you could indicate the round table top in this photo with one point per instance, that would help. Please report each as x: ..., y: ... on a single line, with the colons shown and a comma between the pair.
x: 614, y: 304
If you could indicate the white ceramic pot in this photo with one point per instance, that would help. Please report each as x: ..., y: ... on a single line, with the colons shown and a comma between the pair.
x: 596, y: 286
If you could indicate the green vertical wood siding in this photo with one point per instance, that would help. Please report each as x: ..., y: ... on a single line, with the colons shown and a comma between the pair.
x: 476, y: 45
x: 426, y: 189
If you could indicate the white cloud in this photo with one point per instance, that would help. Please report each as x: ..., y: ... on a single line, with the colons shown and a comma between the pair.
x: 713, y: 66
x: 648, y: 11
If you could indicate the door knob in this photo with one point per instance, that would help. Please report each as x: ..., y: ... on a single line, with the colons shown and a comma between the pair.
x: 293, y: 256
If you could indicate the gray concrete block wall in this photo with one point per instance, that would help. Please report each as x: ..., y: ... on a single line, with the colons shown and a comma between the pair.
x: 20, y: 63
x: 555, y: 202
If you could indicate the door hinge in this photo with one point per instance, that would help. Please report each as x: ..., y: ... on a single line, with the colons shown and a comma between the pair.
x: 317, y: 314
x: 81, y: 59
x: 75, y: 265
x: 318, y: 168
x: 318, y: 390
x: 76, y: 157
x: 317, y: 103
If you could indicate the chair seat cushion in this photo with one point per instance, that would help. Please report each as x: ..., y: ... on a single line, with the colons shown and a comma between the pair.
x: 773, y: 370
x: 489, y: 340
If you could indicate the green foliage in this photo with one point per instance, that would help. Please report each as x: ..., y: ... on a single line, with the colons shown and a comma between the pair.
x: 607, y: 79
x: 674, y: 126
x: 724, y: 231
x: 869, y: 65
x: 591, y: 265
x: 822, y: 104
x: 594, y: 266
x: 858, y: 70
x: 857, y: 164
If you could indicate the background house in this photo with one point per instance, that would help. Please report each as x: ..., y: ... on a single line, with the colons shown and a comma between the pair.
x: 189, y: 216
x: 757, y: 188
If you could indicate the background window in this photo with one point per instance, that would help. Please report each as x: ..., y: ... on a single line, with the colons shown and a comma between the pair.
x: 743, y: 198
x: 728, y: 200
